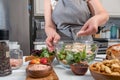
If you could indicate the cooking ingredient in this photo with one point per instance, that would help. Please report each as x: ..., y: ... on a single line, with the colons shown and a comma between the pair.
x: 113, y: 52
x: 111, y: 67
x: 15, y: 62
x: 44, y: 60
x: 35, y: 61
x: 44, y: 52
x: 38, y: 67
x: 39, y: 61
x: 76, y: 52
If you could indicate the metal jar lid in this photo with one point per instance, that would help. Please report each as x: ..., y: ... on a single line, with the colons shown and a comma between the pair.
x: 4, y: 34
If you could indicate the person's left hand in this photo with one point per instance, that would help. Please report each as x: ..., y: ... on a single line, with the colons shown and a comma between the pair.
x: 89, y: 28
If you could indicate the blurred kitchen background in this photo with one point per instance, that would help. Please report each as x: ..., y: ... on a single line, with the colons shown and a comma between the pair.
x: 25, y: 19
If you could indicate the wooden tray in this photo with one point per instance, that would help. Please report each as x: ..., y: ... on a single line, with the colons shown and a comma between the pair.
x: 52, y: 76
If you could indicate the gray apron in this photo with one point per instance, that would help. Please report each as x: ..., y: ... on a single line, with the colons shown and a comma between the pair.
x: 70, y: 15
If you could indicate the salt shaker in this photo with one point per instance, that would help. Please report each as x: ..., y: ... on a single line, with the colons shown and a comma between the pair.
x: 5, y: 68
x: 16, y: 56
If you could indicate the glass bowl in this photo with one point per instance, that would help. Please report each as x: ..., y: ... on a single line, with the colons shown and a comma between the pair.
x: 68, y: 53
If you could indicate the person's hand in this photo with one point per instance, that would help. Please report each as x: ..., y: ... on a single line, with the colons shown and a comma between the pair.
x: 89, y: 28
x: 52, y: 38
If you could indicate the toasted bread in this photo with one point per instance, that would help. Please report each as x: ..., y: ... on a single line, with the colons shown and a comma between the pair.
x: 113, y: 52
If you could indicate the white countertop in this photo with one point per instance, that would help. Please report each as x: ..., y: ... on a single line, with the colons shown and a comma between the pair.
x: 62, y: 73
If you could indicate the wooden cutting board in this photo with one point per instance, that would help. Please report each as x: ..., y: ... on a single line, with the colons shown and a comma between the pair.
x: 52, y: 76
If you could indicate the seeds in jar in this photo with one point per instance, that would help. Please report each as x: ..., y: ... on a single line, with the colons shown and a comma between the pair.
x: 5, y: 68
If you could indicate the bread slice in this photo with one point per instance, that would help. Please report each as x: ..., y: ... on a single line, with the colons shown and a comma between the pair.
x: 113, y: 52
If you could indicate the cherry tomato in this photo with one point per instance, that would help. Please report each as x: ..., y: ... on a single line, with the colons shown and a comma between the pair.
x: 44, y: 60
x: 35, y: 61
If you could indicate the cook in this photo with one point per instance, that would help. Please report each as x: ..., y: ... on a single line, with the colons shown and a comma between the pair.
x: 68, y: 15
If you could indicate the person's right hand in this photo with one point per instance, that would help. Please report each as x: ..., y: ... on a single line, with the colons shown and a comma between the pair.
x: 52, y: 38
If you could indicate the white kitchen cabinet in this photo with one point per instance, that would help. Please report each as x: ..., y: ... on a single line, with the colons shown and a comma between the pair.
x: 38, y: 7
x: 112, y: 6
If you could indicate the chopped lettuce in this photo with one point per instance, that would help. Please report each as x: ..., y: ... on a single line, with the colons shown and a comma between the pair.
x: 75, y: 57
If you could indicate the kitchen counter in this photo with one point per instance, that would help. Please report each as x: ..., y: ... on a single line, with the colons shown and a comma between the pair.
x: 113, y: 41
x: 62, y: 73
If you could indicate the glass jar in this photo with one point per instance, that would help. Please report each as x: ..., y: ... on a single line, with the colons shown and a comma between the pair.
x: 5, y: 68
x: 16, y: 56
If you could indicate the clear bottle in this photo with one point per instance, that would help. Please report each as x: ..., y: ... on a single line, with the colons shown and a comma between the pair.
x: 113, y: 31
x: 16, y: 56
x: 5, y: 68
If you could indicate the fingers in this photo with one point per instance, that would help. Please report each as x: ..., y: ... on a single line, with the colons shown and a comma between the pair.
x: 80, y: 33
x: 87, y: 30
x: 49, y: 43
x: 83, y: 31
x: 56, y: 39
x: 51, y: 40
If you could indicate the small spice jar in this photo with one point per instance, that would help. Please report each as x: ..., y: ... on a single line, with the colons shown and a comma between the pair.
x: 16, y: 56
x: 5, y: 68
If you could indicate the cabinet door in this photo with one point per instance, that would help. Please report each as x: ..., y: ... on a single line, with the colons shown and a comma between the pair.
x: 112, y: 6
x: 38, y: 7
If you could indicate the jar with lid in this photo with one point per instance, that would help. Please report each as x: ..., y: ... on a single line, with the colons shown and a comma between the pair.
x: 16, y: 56
x: 5, y: 68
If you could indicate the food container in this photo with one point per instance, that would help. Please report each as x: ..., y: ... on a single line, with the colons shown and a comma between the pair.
x: 43, y: 52
x: 105, y: 70
x: 79, y: 68
x: 16, y: 56
x: 68, y: 53
x: 5, y: 68
x: 38, y: 70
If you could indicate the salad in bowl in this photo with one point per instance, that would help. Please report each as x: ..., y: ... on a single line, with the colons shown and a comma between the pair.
x: 75, y: 52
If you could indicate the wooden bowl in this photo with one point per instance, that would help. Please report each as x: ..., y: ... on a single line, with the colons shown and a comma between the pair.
x: 37, y: 71
x: 102, y: 76
x: 79, y: 68
x: 51, y: 58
